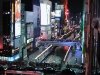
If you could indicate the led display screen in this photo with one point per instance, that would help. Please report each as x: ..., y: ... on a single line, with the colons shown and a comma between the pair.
x: 57, y: 13
x: 2, y: 58
x: 57, y: 19
x: 17, y: 18
x: 45, y: 14
x: 15, y: 57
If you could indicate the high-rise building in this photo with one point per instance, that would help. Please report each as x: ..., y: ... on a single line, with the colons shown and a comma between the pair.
x: 13, y: 29
x: 10, y: 29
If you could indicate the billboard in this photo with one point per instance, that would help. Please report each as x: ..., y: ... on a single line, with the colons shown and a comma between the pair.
x: 43, y: 14
x: 29, y: 32
x: 58, y: 19
x: 57, y: 13
x: 17, y: 18
x: 52, y: 14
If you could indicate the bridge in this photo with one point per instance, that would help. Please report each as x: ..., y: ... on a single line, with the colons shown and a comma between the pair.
x: 63, y: 42
x: 59, y: 43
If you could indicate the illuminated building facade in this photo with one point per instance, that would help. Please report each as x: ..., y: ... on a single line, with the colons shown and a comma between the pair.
x: 59, y: 18
x: 66, y: 9
x: 10, y: 34
x: 13, y: 39
x: 46, y: 6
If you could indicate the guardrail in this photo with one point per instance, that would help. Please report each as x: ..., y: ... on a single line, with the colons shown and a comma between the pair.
x: 66, y: 54
x: 37, y: 57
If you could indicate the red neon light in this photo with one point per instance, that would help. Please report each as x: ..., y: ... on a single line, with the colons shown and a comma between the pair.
x: 66, y: 47
x: 1, y: 43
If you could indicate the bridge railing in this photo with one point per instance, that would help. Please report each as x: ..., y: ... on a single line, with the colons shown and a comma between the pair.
x: 42, y: 53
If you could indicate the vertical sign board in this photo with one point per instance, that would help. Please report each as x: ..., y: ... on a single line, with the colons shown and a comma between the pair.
x: 1, y: 30
x: 12, y: 22
x: 17, y: 18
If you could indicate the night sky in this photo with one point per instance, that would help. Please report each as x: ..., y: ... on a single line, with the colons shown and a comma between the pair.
x: 75, y: 6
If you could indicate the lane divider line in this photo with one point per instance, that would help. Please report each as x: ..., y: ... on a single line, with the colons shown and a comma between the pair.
x: 43, y: 52
x: 66, y: 54
x: 69, y: 48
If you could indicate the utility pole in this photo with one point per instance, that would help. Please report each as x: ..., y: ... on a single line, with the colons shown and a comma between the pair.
x: 91, y: 38
x: 89, y: 42
x: 87, y: 35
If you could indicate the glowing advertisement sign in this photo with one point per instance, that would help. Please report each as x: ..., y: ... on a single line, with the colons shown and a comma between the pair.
x: 15, y: 57
x: 57, y: 13
x: 45, y: 14
x: 57, y: 19
x: 1, y: 42
x: 48, y: 14
x: 17, y: 18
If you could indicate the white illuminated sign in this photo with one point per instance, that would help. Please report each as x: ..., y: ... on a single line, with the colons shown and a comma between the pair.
x: 17, y: 29
x: 57, y: 13
x: 17, y: 18
x: 45, y: 14
x: 52, y: 14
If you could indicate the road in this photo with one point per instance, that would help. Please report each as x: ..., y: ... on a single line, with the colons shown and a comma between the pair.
x: 71, y: 59
x: 56, y: 59
x: 35, y: 54
x: 32, y: 56
x: 53, y: 59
